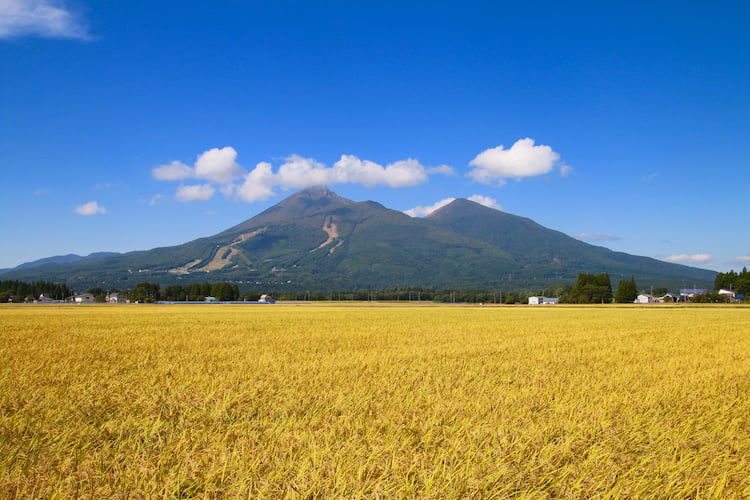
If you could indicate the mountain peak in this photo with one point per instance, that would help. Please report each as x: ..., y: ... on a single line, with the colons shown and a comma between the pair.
x: 459, y: 204
x: 315, y: 239
x: 316, y: 193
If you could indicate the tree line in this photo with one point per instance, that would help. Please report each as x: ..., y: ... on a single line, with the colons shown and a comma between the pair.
x: 735, y: 281
x: 152, y: 292
x: 588, y: 289
x: 20, y: 290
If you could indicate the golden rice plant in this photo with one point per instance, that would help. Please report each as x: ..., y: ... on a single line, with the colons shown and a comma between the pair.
x: 359, y: 401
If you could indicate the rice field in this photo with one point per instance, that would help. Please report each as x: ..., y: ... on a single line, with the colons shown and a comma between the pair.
x: 363, y: 401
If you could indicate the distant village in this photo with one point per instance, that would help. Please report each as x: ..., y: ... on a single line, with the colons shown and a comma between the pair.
x: 730, y: 287
x: 120, y: 298
x: 685, y: 295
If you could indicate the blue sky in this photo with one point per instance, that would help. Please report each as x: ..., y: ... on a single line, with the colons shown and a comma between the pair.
x: 625, y: 123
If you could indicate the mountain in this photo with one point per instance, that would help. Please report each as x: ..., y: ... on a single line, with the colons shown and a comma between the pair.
x: 62, y: 259
x: 315, y: 239
x: 546, y: 253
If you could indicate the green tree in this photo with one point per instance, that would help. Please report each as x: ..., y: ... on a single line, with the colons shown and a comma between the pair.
x: 627, y: 291
x: 732, y: 280
x: 145, y: 292
x: 590, y: 289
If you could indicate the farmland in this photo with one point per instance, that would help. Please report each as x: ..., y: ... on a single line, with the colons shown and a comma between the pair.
x: 374, y: 401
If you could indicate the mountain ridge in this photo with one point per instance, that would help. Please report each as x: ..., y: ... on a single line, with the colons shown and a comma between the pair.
x: 316, y: 239
x: 61, y: 259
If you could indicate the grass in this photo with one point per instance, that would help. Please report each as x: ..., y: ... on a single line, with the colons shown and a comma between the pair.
x: 374, y: 402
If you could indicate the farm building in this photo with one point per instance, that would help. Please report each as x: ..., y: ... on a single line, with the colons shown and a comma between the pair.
x: 115, y: 298
x: 538, y: 300
x: 266, y: 299
x: 732, y: 295
x: 667, y: 298
x: 689, y: 293
x: 45, y: 298
x: 84, y: 298
x: 645, y: 298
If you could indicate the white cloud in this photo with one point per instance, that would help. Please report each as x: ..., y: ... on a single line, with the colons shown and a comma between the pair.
x: 46, y: 18
x: 698, y: 257
x: 596, y: 236
x: 486, y: 201
x: 258, y: 184
x: 155, y: 200
x: 90, y: 208
x: 196, y: 192
x: 743, y: 258
x: 173, y: 171
x: 523, y: 159
x: 109, y: 185
x: 298, y: 172
x: 218, y: 165
x: 41, y: 191
x: 565, y: 170
x: 403, y: 173
x: 215, y: 165
x: 441, y: 169
x: 423, y: 211
x: 650, y: 177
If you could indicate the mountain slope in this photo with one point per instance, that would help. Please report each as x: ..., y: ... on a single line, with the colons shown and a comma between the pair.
x: 313, y: 239
x: 62, y: 259
x: 545, y: 253
x: 316, y: 239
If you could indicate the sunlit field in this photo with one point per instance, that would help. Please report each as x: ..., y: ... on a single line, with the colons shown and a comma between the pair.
x: 368, y: 401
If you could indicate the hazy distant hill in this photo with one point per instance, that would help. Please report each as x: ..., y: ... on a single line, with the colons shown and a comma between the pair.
x: 62, y: 259
x: 316, y: 239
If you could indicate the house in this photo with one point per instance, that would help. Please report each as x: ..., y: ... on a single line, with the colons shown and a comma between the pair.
x: 266, y: 299
x: 115, y: 298
x: 538, y: 299
x: 46, y: 298
x: 689, y: 293
x: 209, y: 299
x: 731, y: 295
x: 645, y: 298
x: 668, y: 297
x: 84, y: 298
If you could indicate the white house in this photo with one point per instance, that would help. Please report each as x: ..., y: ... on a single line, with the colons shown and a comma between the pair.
x: 538, y: 299
x: 45, y: 298
x: 645, y: 298
x: 729, y: 293
x: 689, y: 293
x: 266, y: 299
x: 667, y: 298
x: 84, y: 298
x: 115, y: 298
